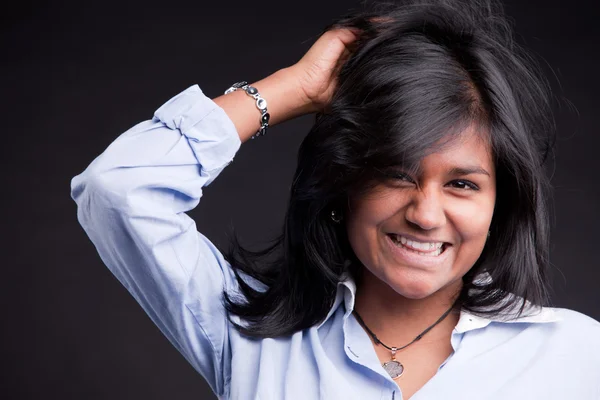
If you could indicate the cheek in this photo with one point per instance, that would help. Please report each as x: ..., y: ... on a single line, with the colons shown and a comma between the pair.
x: 472, y: 225
x: 364, y: 222
x: 472, y: 221
x: 362, y: 231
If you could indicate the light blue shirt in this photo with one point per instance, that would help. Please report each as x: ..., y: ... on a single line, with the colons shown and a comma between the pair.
x: 132, y: 202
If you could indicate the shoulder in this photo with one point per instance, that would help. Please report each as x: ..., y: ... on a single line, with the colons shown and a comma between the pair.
x: 571, y: 320
x: 574, y: 331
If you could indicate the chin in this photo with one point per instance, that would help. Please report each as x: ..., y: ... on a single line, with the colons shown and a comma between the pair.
x: 415, y: 289
x: 418, y: 285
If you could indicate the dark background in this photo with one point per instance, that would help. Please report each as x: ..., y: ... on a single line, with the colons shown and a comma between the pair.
x: 75, y: 75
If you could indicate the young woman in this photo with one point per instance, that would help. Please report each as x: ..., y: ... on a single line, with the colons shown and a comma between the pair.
x: 413, y: 257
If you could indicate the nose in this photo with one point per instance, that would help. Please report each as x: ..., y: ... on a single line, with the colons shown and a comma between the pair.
x: 426, y: 210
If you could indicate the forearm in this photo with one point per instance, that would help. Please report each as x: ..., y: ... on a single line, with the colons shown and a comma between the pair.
x: 284, y: 102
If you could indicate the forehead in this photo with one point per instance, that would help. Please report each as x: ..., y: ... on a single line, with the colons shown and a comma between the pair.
x: 471, y: 148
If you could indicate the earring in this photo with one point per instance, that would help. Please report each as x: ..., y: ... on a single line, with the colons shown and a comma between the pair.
x: 489, y: 233
x: 335, y: 217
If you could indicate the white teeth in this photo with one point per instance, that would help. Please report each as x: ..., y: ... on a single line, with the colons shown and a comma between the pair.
x: 431, y: 248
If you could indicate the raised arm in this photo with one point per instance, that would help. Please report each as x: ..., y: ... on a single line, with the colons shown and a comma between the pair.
x: 132, y: 201
x: 133, y: 198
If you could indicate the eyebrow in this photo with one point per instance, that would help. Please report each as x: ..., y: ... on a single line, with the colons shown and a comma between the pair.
x: 468, y: 170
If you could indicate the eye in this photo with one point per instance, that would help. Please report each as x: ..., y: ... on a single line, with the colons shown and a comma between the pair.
x: 464, y: 184
x: 401, y: 176
x: 397, y: 179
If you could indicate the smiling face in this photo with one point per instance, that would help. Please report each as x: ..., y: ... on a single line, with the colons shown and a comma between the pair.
x: 420, y: 234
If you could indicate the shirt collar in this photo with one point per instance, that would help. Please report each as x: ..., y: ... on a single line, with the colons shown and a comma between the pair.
x: 346, y: 293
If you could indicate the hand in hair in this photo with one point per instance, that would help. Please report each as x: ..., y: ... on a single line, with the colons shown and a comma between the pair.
x: 316, y: 72
x: 303, y: 88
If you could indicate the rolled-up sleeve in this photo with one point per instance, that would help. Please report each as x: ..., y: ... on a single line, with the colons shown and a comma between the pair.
x: 132, y: 202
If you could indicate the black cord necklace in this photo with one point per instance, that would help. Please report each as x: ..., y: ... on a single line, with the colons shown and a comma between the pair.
x: 395, y: 367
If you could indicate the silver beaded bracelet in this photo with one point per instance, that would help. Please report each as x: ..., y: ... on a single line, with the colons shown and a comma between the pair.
x: 261, y: 104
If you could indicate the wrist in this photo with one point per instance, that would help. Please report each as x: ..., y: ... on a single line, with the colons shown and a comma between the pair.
x: 284, y: 98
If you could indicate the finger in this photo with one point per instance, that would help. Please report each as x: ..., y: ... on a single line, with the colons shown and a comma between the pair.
x: 347, y: 35
x: 344, y: 57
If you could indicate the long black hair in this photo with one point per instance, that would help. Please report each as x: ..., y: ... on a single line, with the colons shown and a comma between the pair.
x: 421, y: 71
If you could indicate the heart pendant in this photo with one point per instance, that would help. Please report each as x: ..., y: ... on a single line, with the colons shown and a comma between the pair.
x: 393, y: 368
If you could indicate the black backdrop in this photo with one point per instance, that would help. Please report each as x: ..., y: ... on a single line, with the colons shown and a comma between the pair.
x: 76, y: 75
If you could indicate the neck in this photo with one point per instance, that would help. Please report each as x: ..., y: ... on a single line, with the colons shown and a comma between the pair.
x: 396, y: 319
